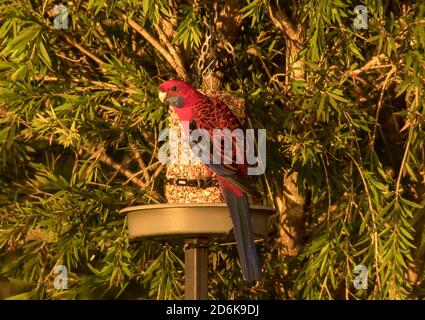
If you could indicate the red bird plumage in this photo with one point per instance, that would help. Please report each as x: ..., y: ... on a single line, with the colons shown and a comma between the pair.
x: 203, y: 112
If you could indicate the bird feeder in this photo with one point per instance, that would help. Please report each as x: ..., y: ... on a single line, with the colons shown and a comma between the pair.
x: 194, y: 225
x: 195, y: 214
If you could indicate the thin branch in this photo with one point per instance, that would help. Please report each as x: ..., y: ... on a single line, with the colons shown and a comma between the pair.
x: 181, y: 71
x: 406, y: 151
x: 140, y: 161
x: 91, y: 55
x: 280, y: 19
x: 374, y: 234
x: 118, y: 167
x: 154, y: 147
x: 103, y: 34
x: 72, y: 60
x: 324, y: 286
x: 379, y: 107
x: 373, y: 63
x: 155, y: 197
x: 124, y: 163
x: 170, y: 47
x: 157, y: 171
x: 329, y: 191
x: 352, y: 33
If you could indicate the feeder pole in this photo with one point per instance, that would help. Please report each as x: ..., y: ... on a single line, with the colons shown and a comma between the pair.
x: 196, y: 273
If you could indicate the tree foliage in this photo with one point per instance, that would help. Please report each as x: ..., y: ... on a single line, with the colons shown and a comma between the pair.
x: 79, y: 123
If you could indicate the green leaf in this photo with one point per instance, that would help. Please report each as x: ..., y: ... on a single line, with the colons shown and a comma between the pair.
x: 411, y: 203
x: 44, y: 54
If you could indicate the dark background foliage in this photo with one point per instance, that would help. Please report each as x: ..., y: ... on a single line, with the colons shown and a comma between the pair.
x: 343, y: 109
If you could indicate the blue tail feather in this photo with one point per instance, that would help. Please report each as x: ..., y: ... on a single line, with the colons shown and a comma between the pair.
x: 241, y: 218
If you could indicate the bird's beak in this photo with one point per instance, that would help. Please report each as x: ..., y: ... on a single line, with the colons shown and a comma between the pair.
x: 162, y: 96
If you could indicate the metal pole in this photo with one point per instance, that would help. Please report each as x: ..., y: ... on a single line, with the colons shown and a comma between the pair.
x: 196, y: 273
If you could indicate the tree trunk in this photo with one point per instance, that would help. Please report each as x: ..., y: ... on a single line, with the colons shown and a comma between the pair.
x: 290, y: 203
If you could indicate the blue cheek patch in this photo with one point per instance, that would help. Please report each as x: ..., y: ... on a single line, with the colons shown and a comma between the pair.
x: 178, y: 102
x: 175, y: 101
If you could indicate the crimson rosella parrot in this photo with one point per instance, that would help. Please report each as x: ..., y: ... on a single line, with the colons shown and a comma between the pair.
x: 203, y: 112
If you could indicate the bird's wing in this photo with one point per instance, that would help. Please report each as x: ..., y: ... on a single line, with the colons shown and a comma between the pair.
x: 214, y: 114
x: 237, y: 179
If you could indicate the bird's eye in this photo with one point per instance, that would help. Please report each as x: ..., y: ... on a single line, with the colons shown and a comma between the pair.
x: 174, y: 88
